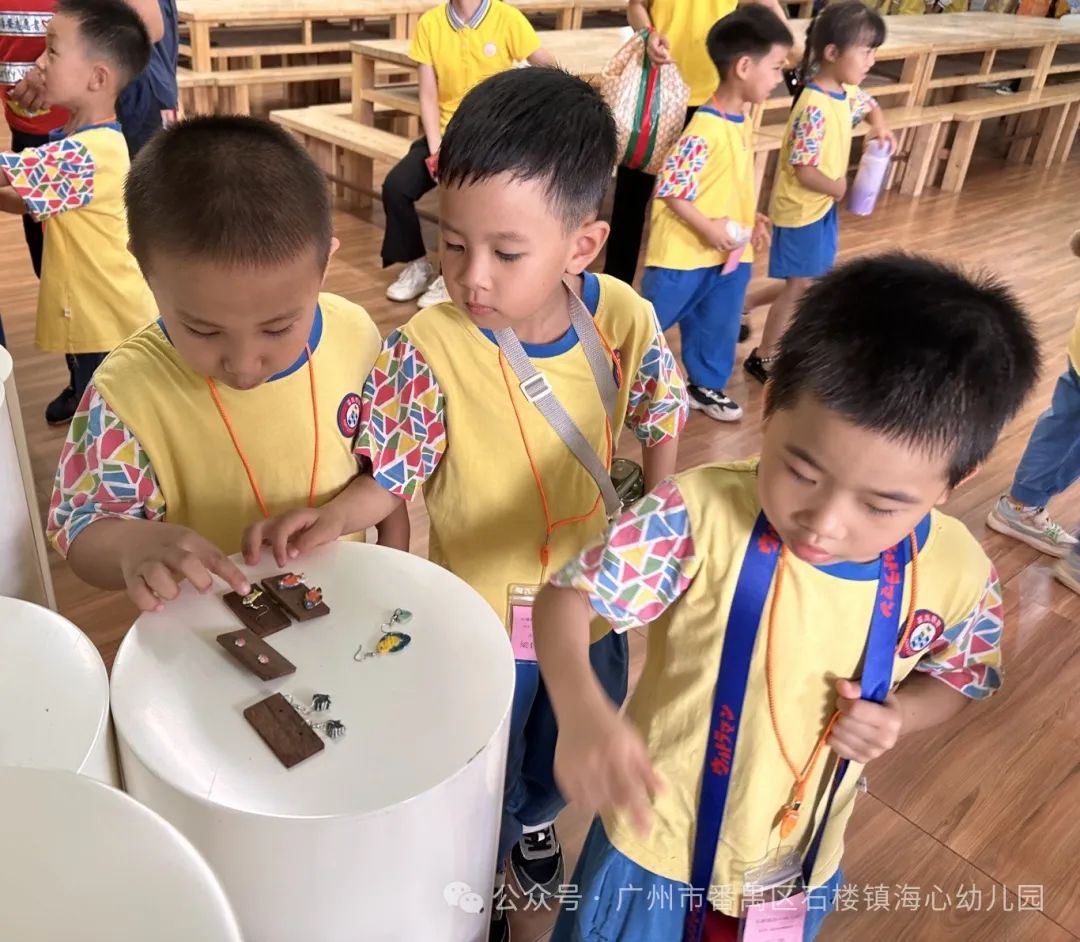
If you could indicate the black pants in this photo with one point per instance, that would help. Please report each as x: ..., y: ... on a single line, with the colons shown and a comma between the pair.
x: 32, y: 231
x: 403, y: 186
x: 81, y: 368
x: 633, y: 189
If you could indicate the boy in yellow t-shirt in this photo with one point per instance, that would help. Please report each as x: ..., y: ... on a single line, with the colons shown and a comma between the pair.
x: 243, y: 400
x: 92, y: 294
x: 704, y: 225
x: 767, y: 586
x: 525, y: 165
x: 456, y: 45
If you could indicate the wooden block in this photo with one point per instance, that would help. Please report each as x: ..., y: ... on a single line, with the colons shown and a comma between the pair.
x: 262, y: 622
x: 255, y: 654
x: 283, y: 730
x: 292, y: 600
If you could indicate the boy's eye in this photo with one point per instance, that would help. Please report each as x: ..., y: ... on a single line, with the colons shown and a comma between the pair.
x: 280, y: 331
x: 199, y: 333
x: 508, y: 256
x: 799, y: 477
x: 879, y: 512
x: 453, y: 246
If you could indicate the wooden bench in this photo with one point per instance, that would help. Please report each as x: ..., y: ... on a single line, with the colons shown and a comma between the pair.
x: 345, y: 149
x: 1050, y: 115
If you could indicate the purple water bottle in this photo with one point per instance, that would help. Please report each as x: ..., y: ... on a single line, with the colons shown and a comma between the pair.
x: 869, y: 178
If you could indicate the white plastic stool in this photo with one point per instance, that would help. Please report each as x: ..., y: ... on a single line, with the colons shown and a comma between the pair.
x: 54, y: 695
x: 82, y: 861
x: 25, y: 573
x: 383, y: 834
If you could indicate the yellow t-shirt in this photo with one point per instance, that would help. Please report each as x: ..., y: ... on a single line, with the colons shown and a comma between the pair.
x: 686, y: 24
x: 672, y: 562
x: 1074, y: 344
x: 169, y: 410
x: 712, y: 166
x: 818, y: 134
x: 92, y: 293
x: 464, y: 54
x: 441, y: 413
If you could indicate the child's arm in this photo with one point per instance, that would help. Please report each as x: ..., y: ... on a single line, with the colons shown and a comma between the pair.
x: 429, y: 108
x: 395, y: 531
x: 55, y: 178
x: 10, y: 201
x: 712, y: 232
x: 394, y: 467
x: 960, y: 666
x: 543, y: 58
x: 637, y: 15
x: 657, y: 408
x: 600, y: 758
x: 814, y: 179
x: 115, y: 539
x: 879, y: 127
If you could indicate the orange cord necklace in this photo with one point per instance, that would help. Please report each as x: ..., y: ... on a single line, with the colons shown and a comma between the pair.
x: 223, y: 412
x: 550, y: 526
x: 789, y: 817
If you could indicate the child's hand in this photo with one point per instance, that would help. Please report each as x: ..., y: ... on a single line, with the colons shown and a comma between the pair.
x: 864, y: 730
x: 292, y: 534
x: 659, y: 48
x: 884, y: 135
x: 156, y: 559
x: 718, y: 235
x: 840, y: 189
x: 432, y: 164
x: 762, y: 235
x: 603, y: 763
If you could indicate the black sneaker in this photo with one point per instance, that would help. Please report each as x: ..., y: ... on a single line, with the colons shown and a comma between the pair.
x: 714, y: 403
x: 757, y: 366
x: 744, y: 330
x: 537, y: 862
x: 62, y: 408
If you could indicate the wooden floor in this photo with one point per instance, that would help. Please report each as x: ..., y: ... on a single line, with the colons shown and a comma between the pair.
x: 968, y: 833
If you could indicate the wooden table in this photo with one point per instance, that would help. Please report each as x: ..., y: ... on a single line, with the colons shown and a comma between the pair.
x: 582, y: 52
x: 313, y: 26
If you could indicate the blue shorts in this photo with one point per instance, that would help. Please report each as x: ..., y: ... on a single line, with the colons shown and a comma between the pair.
x: 707, y: 306
x: 805, y: 252
x: 612, y: 899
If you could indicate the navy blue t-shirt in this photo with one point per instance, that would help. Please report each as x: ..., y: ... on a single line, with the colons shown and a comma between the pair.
x: 141, y: 103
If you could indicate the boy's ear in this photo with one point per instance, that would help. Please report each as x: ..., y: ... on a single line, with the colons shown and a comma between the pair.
x: 99, y: 77
x: 586, y: 245
x: 335, y: 244
x: 741, y: 67
x: 949, y: 490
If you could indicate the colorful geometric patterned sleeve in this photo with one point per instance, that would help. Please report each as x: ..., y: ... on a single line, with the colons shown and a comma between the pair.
x: 861, y: 105
x: 807, y: 133
x: 51, y: 179
x: 643, y: 566
x: 658, y: 403
x: 967, y: 656
x: 402, y: 419
x: 103, y: 472
x: 679, y: 176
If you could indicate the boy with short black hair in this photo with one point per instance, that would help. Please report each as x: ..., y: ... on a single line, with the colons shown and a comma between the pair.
x: 458, y: 403
x: 892, y: 384
x: 705, y: 227
x: 243, y: 400
x: 92, y: 295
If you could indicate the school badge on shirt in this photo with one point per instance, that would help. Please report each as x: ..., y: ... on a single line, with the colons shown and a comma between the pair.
x: 928, y: 627
x: 348, y: 415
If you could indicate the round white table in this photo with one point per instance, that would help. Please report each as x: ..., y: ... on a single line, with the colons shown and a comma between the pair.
x: 84, y: 861
x: 361, y: 840
x: 54, y: 695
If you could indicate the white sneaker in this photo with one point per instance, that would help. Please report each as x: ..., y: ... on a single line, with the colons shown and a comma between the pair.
x: 715, y: 403
x: 412, y: 282
x: 436, y: 294
x: 1031, y: 525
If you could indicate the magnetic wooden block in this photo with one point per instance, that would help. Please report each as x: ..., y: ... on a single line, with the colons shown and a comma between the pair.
x: 265, y: 623
x: 283, y: 730
x: 255, y: 654
x: 292, y: 600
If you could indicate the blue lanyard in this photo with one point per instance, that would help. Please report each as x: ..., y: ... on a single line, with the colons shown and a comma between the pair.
x: 747, y: 607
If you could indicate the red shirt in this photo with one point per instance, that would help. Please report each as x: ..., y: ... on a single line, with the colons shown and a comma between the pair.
x: 22, y: 41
